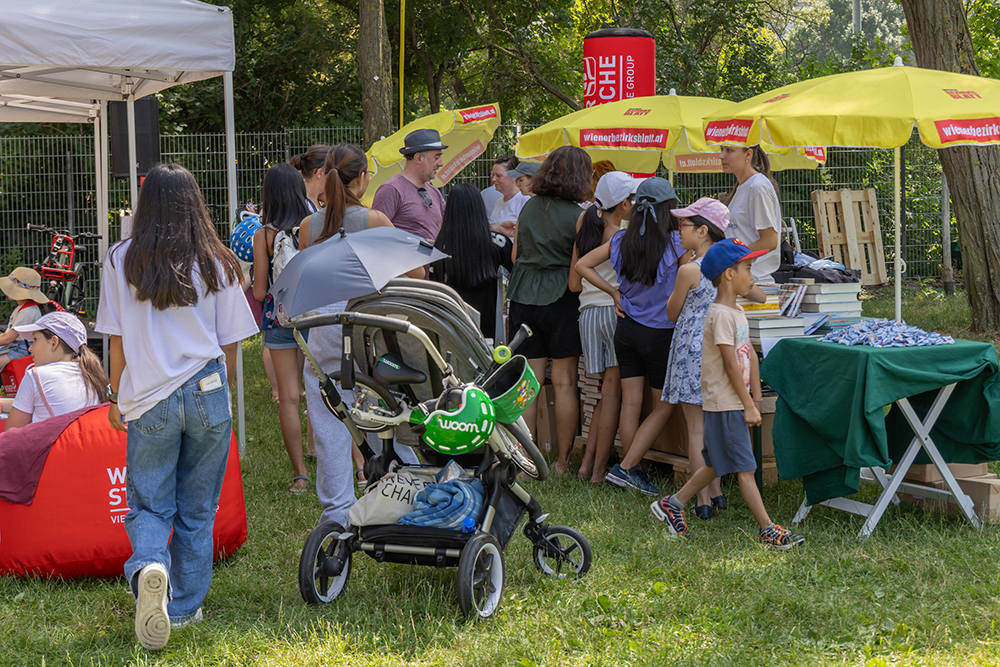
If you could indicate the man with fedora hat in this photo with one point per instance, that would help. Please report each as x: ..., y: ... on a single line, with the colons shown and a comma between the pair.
x: 408, y: 199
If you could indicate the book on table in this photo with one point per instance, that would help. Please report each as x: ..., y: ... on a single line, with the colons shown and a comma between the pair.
x: 833, y: 288
x: 838, y: 297
x: 848, y: 307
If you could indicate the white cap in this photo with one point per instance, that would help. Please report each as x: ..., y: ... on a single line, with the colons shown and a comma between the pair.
x: 614, y: 188
x: 67, y: 327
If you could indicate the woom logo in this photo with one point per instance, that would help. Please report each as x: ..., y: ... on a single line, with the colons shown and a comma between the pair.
x: 478, y: 114
x: 623, y: 137
x: 460, y: 426
x: 973, y: 130
x: 722, y: 131
x: 962, y: 94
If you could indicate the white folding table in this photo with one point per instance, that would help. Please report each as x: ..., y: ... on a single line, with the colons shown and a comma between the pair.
x: 891, y: 484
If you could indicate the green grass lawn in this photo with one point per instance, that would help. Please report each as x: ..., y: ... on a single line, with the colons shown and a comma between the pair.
x: 924, y: 590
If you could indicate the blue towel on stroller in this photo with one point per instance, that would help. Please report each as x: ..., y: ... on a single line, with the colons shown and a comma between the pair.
x: 446, y: 505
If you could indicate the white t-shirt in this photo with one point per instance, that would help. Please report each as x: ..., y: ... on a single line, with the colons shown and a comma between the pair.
x: 64, y: 387
x: 165, y: 348
x: 508, y: 210
x: 754, y: 207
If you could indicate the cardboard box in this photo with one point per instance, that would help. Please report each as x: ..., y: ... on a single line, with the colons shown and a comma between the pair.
x: 984, y: 492
x: 924, y: 474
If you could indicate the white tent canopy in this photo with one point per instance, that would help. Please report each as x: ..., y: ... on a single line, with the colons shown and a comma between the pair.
x: 60, y: 60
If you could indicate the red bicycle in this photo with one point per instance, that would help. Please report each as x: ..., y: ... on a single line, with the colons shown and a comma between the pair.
x: 67, y: 277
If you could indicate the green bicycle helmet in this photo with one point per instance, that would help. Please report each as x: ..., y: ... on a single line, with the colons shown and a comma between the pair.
x: 462, y: 429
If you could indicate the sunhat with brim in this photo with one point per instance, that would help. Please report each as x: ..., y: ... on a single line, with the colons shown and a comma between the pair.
x: 712, y: 210
x: 419, y: 141
x: 23, y: 284
x: 524, y: 169
x: 67, y: 327
x: 724, y: 254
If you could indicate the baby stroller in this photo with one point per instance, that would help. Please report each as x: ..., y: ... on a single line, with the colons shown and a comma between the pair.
x: 405, y: 350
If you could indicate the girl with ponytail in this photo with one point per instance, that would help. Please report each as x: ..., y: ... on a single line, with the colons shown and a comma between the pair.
x: 338, y: 460
x: 66, y: 376
x: 754, y: 206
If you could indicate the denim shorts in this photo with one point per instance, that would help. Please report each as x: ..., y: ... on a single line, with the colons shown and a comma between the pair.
x: 15, y: 350
x: 282, y: 338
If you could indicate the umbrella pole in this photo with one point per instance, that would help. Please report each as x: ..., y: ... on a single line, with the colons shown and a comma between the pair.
x: 670, y: 176
x: 898, y: 264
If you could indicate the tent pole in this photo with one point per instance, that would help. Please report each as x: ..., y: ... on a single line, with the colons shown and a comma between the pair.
x: 227, y: 77
x: 897, y: 268
x: 101, y: 174
x: 133, y: 175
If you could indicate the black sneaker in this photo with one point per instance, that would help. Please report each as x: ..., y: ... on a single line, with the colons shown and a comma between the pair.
x: 616, y: 476
x: 703, y: 512
x: 719, y: 503
x: 674, y: 518
x: 776, y: 537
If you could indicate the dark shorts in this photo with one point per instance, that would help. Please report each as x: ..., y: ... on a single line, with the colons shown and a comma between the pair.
x: 727, y: 443
x: 555, y: 327
x: 642, y: 351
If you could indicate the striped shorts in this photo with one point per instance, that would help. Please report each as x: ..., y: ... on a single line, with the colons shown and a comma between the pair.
x: 597, y: 333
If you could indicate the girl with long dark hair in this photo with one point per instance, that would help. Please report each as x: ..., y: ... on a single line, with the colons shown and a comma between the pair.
x: 754, y: 207
x: 596, y: 226
x: 539, y: 284
x: 283, y: 206
x: 339, y: 462
x: 172, y: 306
x: 476, y: 254
x: 646, y: 257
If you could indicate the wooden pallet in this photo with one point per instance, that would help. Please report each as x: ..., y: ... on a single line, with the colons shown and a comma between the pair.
x: 851, y: 232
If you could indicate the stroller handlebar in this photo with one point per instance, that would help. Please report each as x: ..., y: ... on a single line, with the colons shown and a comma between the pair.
x: 388, y: 323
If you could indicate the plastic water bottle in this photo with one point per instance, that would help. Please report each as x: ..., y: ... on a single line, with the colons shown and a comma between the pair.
x: 469, y: 525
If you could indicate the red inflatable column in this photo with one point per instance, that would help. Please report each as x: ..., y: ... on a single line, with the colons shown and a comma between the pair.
x: 620, y: 64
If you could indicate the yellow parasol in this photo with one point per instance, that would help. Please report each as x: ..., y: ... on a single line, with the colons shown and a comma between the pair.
x: 876, y: 108
x: 639, y: 133
x: 464, y: 131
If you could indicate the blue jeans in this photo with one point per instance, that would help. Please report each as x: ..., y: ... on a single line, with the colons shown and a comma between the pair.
x: 176, y: 458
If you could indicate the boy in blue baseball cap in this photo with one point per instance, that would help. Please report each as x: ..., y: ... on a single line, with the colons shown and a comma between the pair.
x: 730, y: 392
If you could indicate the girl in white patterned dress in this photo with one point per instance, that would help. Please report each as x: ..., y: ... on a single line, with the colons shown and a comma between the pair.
x: 701, y: 224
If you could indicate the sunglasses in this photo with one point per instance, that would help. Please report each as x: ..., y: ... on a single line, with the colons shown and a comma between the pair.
x: 428, y: 202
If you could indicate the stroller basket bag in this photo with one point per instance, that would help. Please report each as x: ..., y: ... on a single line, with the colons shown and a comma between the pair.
x: 512, y: 388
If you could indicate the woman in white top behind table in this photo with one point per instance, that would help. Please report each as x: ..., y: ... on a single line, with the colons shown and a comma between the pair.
x: 754, y: 207
x: 66, y: 376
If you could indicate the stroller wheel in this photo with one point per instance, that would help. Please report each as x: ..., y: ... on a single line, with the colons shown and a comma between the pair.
x: 480, y: 576
x: 325, y: 564
x: 516, y: 444
x: 561, y: 552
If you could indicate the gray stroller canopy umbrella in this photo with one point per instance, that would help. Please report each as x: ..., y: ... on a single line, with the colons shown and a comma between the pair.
x: 349, y: 266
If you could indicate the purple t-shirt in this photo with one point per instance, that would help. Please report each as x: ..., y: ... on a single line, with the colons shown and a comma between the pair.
x: 647, y: 304
x: 405, y: 207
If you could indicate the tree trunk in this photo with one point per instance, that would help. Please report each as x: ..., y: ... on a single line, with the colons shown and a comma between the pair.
x: 374, y: 57
x: 941, y: 40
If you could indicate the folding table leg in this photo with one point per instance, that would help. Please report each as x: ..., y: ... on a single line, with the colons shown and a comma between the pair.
x: 883, y: 481
x: 923, y: 431
x: 889, y: 491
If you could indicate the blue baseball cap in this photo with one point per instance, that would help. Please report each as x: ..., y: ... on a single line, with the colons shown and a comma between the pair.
x: 722, y: 255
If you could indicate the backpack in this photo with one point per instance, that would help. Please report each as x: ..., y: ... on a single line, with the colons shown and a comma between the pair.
x: 286, y: 246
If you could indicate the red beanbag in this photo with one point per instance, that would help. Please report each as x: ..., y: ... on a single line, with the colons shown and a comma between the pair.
x: 73, y: 526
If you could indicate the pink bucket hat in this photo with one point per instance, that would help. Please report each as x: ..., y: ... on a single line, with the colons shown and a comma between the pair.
x: 712, y: 210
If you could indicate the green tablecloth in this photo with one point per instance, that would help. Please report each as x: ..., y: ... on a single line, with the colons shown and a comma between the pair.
x: 829, y: 420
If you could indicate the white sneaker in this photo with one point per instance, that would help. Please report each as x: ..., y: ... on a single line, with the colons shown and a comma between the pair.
x: 184, y: 622
x: 152, y: 624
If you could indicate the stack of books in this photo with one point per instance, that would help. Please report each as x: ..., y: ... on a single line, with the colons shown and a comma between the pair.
x: 770, y: 308
x: 775, y: 327
x: 840, y: 298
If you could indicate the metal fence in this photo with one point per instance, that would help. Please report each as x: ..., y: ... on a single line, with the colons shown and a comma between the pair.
x: 50, y: 181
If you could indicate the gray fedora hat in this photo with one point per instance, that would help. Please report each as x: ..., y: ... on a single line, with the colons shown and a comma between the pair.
x: 524, y: 169
x: 419, y: 141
